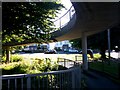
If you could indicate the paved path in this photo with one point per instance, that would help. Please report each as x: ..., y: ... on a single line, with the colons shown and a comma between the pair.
x: 96, y: 80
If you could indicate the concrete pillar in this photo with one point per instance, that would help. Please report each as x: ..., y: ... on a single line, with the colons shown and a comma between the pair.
x: 84, y: 51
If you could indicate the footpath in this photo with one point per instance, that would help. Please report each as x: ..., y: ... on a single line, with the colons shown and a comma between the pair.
x: 95, y: 80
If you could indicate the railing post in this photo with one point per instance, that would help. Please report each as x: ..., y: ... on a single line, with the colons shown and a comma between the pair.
x: 70, y: 14
x: 0, y: 83
x: 119, y: 70
x: 73, y: 79
x: 57, y: 60
x: 60, y: 24
x: 64, y: 62
x: 8, y: 84
x: 28, y: 83
x: 78, y: 77
x: 74, y: 63
x: 75, y: 58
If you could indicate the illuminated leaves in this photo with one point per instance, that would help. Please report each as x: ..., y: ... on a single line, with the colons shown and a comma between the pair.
x: 21, y: 20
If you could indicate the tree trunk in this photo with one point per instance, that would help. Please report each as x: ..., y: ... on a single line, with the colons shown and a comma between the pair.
x: 8, y: 54
x: 103, y: 56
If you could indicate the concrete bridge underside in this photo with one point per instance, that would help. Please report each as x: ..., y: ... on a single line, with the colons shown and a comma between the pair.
x: 90, y: 18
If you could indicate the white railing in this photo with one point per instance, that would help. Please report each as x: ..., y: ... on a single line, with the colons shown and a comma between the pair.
x: 67, y: 62
x: 63, y: 79
x: 63, y: 20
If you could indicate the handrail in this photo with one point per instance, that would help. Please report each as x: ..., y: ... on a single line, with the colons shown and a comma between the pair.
x: 37, y: 74
x: 59, y: 24
x: 64, y: 14
x: 70, y: 78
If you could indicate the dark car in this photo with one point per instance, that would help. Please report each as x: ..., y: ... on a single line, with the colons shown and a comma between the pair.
x: 51, y: 52
x: 89, y: 51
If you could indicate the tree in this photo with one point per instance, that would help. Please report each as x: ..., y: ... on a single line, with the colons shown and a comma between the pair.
x: 115, y: 37
x: 76, y: 43
x: 100, y: 40
x: 27, y: 21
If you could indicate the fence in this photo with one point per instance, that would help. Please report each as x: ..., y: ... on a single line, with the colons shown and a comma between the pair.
x: 68, y: 63
x: 64, y: 79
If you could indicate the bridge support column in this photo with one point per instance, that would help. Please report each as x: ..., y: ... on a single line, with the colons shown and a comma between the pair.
x: 84, y: 51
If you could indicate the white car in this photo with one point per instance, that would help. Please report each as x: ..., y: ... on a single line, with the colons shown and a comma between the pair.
x: 73, y: 50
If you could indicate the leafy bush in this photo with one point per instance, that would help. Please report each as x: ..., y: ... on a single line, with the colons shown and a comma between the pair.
x: 14, y: 68
x: 13, y: 58
x: 97, y: 56
x: 3, y: 59
x: 30, y: 66
x: 16, y: 58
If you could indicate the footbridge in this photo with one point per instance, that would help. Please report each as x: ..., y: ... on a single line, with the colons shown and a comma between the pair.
x: 89, y: 18
x: 86, y: 19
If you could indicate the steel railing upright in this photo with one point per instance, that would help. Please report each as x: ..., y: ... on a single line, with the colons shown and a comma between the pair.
x: 63, y: 20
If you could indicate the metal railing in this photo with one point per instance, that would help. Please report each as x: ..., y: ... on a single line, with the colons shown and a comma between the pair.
x: 67, y: 62
x: 63, y: 79
x: 63, y: 20
x: 70, y: 63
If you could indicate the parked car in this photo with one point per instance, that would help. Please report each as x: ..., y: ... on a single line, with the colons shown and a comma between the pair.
x: 51, y: 52
x: 89, y: 51
x: 73, y: 51
x: 66, y: 50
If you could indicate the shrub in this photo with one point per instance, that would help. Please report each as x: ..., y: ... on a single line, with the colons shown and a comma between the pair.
x: 3, y: 59
x: 16, y: 58
x: 14, y: 68
x: 30, y: 66
x: 97, y: 56
x: 13, y: 58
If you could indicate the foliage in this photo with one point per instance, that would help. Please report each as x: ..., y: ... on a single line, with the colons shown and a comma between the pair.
x: 28, y: 21
x: 100, y: 41
x: 14, y: 68
x: 33, y: 66
x: 76, y: 43
x: 16, y: 58
x: 13, y: 58
x: 96, y: 56
x: 3, y: 59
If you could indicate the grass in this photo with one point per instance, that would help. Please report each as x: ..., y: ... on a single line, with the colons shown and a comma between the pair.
x: 54, y: 57
x: 111, y: 69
